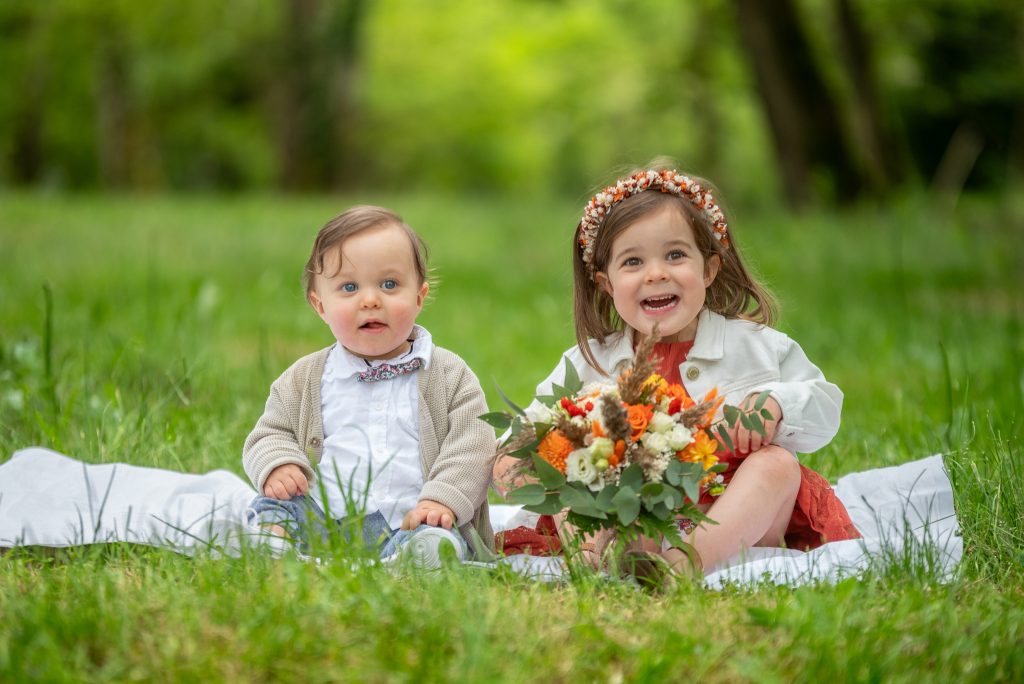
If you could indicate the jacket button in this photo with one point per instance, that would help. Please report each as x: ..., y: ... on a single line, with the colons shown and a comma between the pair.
x: 692, y: 373
x: 314, y: 442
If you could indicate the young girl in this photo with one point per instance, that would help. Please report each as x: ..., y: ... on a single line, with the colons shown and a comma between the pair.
x: 389, y: 417
x: 654, y: 250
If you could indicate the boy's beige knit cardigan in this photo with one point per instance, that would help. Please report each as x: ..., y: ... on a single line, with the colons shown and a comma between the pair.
x: 456, y: 448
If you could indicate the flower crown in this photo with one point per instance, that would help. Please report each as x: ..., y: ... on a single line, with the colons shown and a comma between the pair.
x: 669, y: 181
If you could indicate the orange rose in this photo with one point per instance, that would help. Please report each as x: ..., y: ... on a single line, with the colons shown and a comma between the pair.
x: 639, y: 415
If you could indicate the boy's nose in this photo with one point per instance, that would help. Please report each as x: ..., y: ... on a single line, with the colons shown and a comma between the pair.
x: 370, y: 300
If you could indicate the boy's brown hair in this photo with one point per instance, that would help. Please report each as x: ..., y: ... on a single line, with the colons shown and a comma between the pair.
x: 350, y: 222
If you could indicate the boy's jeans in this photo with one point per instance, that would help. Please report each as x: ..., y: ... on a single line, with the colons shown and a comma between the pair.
x: 304, y: 520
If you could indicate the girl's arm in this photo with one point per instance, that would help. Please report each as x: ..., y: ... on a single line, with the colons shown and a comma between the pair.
x: 811, y: 405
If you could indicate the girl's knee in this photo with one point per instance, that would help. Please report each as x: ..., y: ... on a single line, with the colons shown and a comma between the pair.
x: 777, y: 463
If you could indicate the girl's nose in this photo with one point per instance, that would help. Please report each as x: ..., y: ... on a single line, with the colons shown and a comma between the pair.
x: 655, y: 273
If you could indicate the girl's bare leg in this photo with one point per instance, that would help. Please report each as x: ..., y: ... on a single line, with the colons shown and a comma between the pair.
x: 754, y: 510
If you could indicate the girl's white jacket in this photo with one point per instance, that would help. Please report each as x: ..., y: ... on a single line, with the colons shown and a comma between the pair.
x: 738, y: 357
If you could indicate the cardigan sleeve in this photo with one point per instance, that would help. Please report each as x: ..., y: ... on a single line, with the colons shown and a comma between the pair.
x: 460, y: 475
x: 274, y: 441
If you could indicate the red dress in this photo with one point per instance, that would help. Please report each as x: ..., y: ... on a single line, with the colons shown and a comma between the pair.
x: 818, y: 514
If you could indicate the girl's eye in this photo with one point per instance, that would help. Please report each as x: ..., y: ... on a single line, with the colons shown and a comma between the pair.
x: 675, y: 254
x: 389, y: 284
x: 349, y: 287
x: 632, y: 261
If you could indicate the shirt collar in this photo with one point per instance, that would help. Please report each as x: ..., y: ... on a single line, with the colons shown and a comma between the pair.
x: 343, y: 364
x: 710, y: 340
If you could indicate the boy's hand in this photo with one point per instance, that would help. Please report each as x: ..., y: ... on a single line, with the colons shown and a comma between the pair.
x: 286, y: 481
x: 746, y: 441
x: 431, y: 513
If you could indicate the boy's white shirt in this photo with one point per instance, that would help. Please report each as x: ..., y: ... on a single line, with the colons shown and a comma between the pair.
x: 738, y: 357
x: 371, y: 435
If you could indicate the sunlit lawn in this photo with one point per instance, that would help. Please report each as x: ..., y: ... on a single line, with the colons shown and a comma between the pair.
x: 169, y: 318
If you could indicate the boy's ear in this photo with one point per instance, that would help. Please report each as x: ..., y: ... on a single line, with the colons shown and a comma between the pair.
x: 421, y: 296
x: 711, y: 268
x: 603, y: 283
x: 314, y: 301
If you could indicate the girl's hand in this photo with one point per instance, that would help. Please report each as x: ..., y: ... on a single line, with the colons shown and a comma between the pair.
x: 286, y: 481
x: 746, y: 441
x: 431, y: 513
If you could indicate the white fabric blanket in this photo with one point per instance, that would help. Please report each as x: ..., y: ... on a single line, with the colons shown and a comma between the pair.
x: 46, y: 499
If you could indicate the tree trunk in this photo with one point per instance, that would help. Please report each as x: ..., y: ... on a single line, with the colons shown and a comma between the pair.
x: 869, y: 121
x: 314, y: 94
x: 804, y: 119
x: 113, y: 113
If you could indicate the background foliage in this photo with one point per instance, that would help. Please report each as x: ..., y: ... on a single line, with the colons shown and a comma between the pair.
x: 819, y: 100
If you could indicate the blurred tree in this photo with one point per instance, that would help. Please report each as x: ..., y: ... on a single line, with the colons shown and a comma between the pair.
x: 811, y: 144
x: 314, y: 93
x: 29, y: 73
x: 961, y: 101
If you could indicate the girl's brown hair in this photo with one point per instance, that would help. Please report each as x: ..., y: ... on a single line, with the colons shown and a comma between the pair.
x: 734, y: 293
x: 356, y: 220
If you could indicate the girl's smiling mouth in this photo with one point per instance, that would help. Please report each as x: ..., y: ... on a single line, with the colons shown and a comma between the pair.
x: 659, y: 303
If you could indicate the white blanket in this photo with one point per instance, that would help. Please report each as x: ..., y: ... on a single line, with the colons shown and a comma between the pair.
x: 46, y: 499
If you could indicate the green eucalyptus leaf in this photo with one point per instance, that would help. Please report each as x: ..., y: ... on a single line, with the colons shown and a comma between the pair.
x: 528, y: 495
x: 497, y: 419
x: 661, y: 511
x: 580, y: 501
x: 603, y: 500
x: 761, y: 399
x: 757, y: 425
x: 731, y: 414
x: 632, y: 477
x: 511, y: 404
x: 673, y: 472
x: 692, y: 490
x: 572, y: 379
x: 723, y: 434
x: 551, y: 505
x: 627, y: 505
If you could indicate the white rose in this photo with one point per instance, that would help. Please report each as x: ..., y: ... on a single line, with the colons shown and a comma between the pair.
x: 680, y: 437
x: 539, y: 413
x: 661, y: 423
x: 578, y: 467
x: 655, y: 441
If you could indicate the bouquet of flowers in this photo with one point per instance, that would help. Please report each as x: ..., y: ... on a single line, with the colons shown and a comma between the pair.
x: 631, y: 455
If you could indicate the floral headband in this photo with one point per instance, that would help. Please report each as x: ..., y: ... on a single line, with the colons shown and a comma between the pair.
x: 669, y: 181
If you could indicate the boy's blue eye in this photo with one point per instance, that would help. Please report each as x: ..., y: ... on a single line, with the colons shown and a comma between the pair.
x: 349, y: 287
x: 389, y: 284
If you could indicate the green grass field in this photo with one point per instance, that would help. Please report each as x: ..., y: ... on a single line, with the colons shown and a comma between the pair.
x: 148, y: 330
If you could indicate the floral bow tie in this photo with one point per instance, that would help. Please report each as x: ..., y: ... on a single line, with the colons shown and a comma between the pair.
x: 387, y: 371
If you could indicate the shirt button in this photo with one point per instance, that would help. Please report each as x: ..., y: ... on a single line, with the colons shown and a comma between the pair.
x: 692, y: 373
x: 314, y: 442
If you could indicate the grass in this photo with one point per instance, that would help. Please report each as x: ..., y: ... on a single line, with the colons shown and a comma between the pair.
x: 148, y: 330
